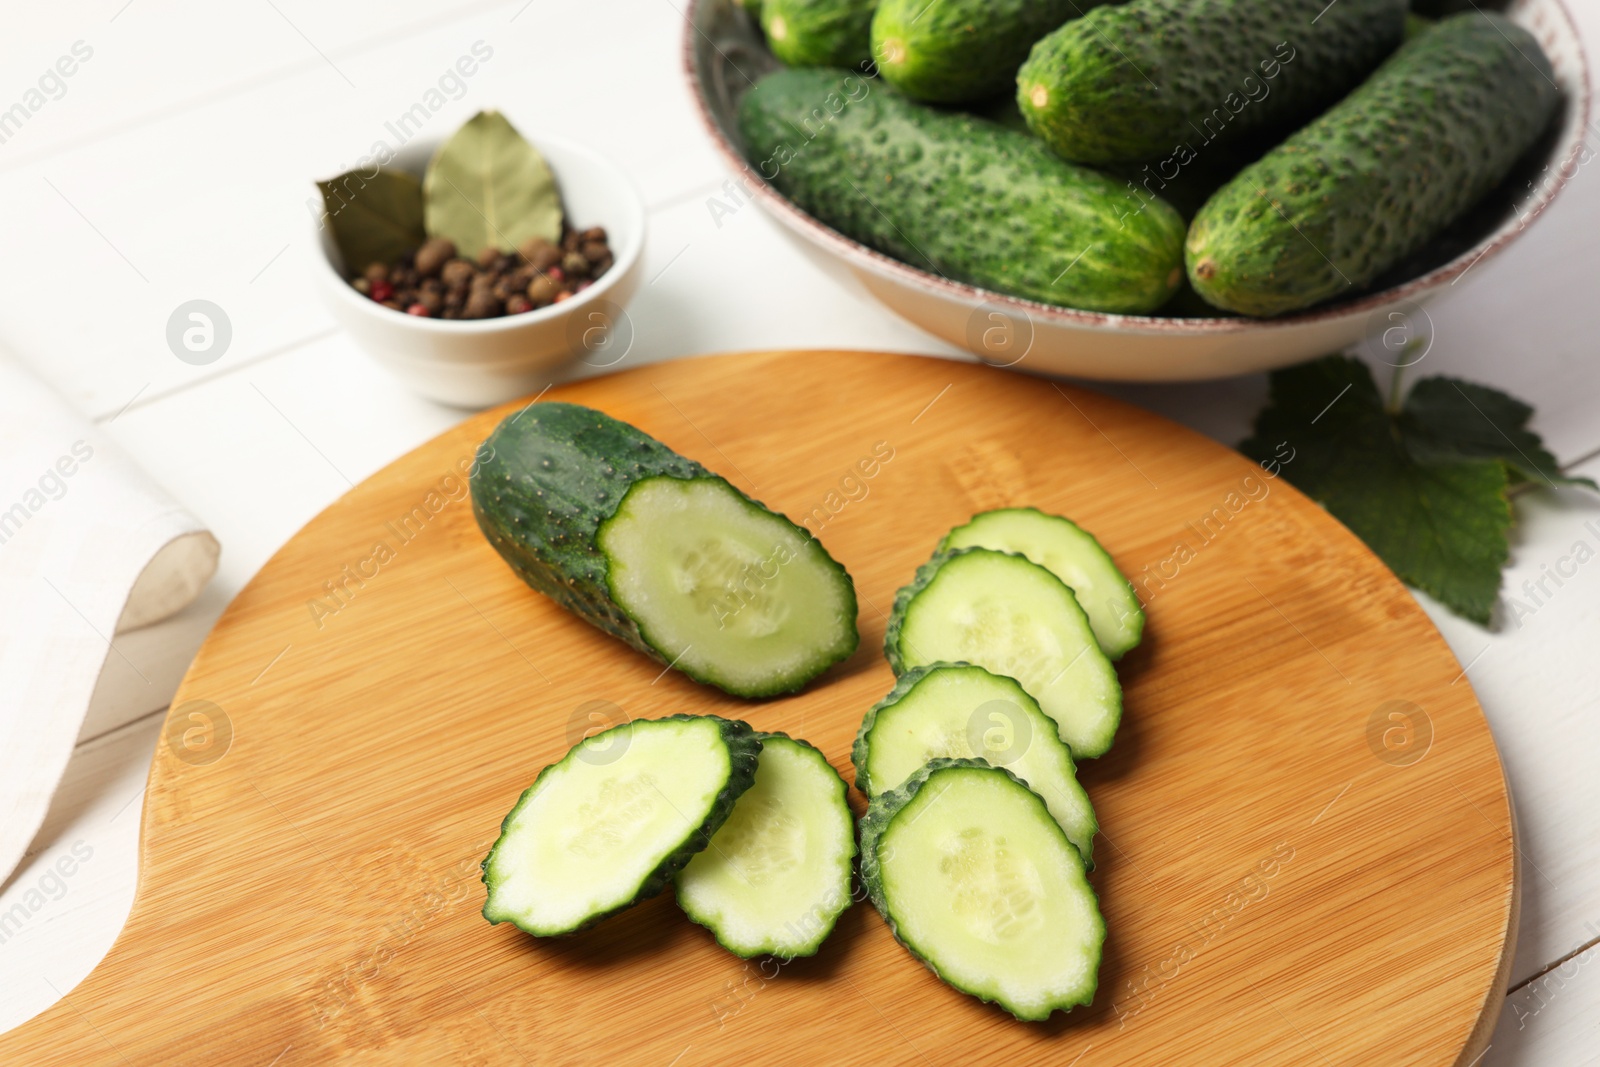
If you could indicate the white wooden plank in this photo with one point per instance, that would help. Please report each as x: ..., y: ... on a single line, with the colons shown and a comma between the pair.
x: 1554, y: 1020
x: 140, y: 62
x: 1534, y: 676
x: 719, y: 282
x: 211, y: 202
x: 151, y: 663
x: 62, y: 908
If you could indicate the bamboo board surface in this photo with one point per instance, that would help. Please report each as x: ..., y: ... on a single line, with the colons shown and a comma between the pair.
x: 1307, y: 855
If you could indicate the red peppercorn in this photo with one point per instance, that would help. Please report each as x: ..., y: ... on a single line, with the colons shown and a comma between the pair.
x: 563, y: 295
x: 381, y: 291
x: 584, y: 285
x: 418, y: 309
x: 556, y: 274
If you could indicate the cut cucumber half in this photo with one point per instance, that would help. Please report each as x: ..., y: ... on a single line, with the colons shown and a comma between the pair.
x: 977, y: 879
x: 657, y: 551
x: 739, y: 596
x: 962, y: 711
x: 776, y: 876
x: 1013, y: 617
x: 1072, y: 554
x: 610, y: 823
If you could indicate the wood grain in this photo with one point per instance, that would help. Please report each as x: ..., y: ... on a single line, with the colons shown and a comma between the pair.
x: 1280, y: 887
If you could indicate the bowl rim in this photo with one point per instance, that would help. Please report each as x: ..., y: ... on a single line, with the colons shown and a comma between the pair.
x: 623, y: 264
x: 1564, y: 156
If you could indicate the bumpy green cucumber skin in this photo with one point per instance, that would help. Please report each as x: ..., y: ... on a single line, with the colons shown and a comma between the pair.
x: 543, y: 520
x: 830, y: 920
x: 881, y: 811
x: 1377, y: 176
x: 1135, y: 81
x: 897, y: 614
x: 819, y: 33
x: 744, y: 750
x: 959, y: 51
x: 960, y: 196
x: 547, y: 479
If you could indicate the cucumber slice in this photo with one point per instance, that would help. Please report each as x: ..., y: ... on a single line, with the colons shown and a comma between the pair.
x: 776, y: 876
x: 1014, y: 617
x: 962, y: 711
x: 611, y: 822
x: 742, y: 597
x: 1072, y: 554
x: 977, y: 879
x: 658, y: 552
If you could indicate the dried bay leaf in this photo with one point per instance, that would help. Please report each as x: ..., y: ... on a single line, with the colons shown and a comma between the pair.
x: 487, y: 186
x: 376, y: 218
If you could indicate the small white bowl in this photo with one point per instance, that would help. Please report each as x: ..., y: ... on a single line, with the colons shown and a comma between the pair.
x: 478, y: 362
x: 724, y: 54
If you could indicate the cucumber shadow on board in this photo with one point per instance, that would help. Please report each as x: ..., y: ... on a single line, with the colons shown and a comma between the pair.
x: 830, y: 959
x: 1124, y: 756
x: 650, y: 928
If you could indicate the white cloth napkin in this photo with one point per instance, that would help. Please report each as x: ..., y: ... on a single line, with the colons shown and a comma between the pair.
x: 89, y: 545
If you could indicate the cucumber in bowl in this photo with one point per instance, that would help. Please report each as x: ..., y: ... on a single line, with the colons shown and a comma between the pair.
x: 659, y: 552
x: 613, y: 820
x: 975, y: 877
x: 961, y: 711
x: 776, y: 877
x: 1005, y: 613
x: 1072, y: 554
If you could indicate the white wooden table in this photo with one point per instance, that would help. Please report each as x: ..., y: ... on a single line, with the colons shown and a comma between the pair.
x: 173, y: 164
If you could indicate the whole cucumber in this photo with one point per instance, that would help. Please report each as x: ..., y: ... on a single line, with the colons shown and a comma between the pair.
x: 958, y: 51
x: 958, y: 195
x: 1378, y: 175
x: 819, y: 33
x: 1154, y: 77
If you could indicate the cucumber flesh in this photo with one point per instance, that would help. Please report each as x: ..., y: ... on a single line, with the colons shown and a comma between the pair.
x: 1013, y: 617
x: 977, y: 879
x: 1072, y: 554
x: 612, y: 821
x: 734, y: 594
x: 961, y: 711
x: 776, y: 876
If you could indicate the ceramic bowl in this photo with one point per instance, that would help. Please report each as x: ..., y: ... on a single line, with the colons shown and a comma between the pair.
x: 724, y: 54
x: 475, y: 363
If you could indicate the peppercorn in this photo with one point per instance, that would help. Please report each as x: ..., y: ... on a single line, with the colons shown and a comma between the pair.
x: 457, y: 273
x: 545, y: 256
x: 481, y: 302
x: 434, y: 255
x: 542, y: 290
x: 436, y: 282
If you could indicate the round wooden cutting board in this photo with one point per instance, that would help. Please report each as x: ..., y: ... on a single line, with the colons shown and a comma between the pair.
x: 1307, y: 853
